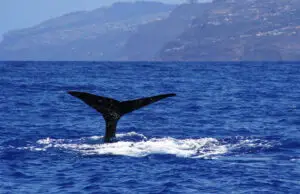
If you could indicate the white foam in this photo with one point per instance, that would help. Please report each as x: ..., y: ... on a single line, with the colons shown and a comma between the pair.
x: 192, y: 148
x: 252, y: 143
x: 182, y: 148
x: 131, y: 134
x: 44, y: 141
x: 137, y: 145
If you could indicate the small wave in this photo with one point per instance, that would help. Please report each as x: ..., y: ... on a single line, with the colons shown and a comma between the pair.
x: 295, y: 159
x: 137, y: 145
x: 180, y: 148
x: 250, y: 145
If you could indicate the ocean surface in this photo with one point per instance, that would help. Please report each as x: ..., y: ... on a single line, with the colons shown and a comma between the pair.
x: 232, y: 128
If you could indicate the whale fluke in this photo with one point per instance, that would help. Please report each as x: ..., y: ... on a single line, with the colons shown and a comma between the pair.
x: 112, y: 110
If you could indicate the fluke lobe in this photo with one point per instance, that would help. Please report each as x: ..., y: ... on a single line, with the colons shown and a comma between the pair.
x: 112, y: 110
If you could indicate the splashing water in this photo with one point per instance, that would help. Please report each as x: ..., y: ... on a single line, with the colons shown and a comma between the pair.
x: 137, y: 145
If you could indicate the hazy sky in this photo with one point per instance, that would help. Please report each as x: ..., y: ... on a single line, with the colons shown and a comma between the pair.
x: 15, y: 14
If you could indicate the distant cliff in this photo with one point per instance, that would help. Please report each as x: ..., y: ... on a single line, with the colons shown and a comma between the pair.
x: 149, y: 38
x: 93, y: 35
x: 240, y: 30
x: 225, y: 30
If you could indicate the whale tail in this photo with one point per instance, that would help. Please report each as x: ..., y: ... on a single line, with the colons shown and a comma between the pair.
x: 112, y: 110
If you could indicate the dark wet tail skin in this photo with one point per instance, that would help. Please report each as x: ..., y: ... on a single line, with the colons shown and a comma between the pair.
x: 112, y: 110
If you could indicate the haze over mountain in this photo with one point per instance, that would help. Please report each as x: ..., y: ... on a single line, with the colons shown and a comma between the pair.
x: 84, y: 35
x: 16, y: 14
x: 223, y: 30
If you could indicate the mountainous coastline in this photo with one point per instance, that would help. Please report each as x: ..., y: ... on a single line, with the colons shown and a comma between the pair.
x: 240, y: 31
x: 225, y: 30
x: 90, y: 35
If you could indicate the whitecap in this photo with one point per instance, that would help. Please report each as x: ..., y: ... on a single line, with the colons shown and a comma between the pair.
x: 191, y: 148
x: 138, y: 145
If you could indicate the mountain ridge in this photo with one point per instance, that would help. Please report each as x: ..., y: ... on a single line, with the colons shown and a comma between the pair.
x: 224, y: 30
x: 84, y: 35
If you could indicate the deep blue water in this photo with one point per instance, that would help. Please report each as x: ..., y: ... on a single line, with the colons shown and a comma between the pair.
x: 232, y: 128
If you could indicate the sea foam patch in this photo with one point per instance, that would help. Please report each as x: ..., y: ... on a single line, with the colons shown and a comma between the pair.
x: 196, y: 148
x: 137, y: 145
